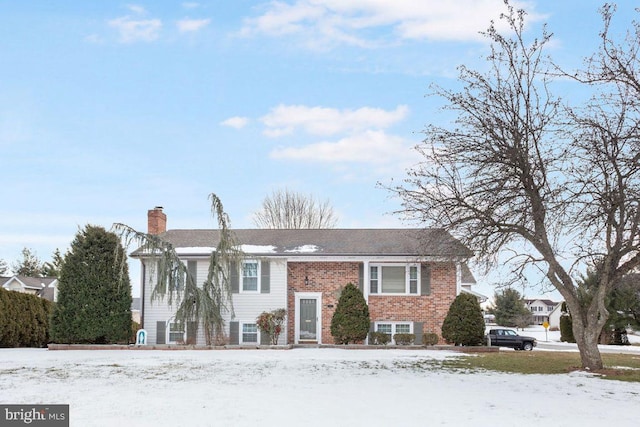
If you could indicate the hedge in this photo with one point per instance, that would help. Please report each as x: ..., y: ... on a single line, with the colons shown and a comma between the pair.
x: 24, y: 319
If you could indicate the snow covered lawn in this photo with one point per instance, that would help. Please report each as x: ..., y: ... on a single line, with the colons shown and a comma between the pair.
x: 303, y: 387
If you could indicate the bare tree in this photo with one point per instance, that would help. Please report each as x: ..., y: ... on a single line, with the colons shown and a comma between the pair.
x: 288, y: 209
x: 4, y: 268
x: 520, y: 173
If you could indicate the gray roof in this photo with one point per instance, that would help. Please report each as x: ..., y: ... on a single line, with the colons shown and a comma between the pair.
x: 332, y: 242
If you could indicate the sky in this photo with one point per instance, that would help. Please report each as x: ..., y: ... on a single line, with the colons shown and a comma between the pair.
x: 108, y: 109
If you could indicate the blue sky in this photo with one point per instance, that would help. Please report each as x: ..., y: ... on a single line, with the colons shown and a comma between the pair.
x: 108, y: 109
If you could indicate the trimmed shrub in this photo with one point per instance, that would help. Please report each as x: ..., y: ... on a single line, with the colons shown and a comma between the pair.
x: 379, y: 338
x: 464, y: 324
x: 24, y: 320
x: 430, y: 338
x: 404, y: 339
x: 350, y: 321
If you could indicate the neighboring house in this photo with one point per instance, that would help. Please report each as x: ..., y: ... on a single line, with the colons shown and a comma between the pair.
x: 540, y: 309
x: 44, y: 287
x: 409, y: 278
x: 554, y: 316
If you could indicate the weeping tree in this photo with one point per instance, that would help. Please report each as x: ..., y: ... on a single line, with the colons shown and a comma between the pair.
x: 520, y: 172
x: 206, y: 303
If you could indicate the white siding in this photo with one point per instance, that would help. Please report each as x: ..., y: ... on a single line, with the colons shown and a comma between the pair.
x: 247, y: 307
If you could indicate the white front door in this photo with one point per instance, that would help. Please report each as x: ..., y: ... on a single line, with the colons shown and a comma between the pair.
x: 308, y: 313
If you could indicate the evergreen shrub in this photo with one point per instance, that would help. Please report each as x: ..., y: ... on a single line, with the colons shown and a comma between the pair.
x: 24, y: 319
x: 464, y: 324
x: 350, y: 321
x: 404, y: 339
x: 430, y: 338
x: 379, y: 338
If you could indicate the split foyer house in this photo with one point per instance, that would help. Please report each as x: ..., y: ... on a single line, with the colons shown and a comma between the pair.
x: 409, y: 277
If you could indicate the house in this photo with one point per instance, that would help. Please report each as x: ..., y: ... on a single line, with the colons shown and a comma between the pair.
x: 409, y: 277
x: 44, y: 287
x: 540, y: 309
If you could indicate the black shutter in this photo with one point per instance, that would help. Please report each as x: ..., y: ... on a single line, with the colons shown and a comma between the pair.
x: 234, y: 333
x: 417, y: 331
x: 361, y: 277
x: 233, y: 276
x: 265, y: 277
x: 425, y: 279
x: 192, y: 331
x: 161, y: 332
x: 192, y: 268
x: 264, y: 338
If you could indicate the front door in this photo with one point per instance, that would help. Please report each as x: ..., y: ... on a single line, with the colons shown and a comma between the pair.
x: 308, y: 319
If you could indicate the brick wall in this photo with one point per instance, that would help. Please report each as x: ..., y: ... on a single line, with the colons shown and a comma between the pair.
x: 329, y: 278
x: 325, y: 277
x: 430, y: 309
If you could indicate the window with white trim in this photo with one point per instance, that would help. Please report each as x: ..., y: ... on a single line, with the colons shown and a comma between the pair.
x: 249, y: 333
x: 176, y: 332
x: 392, y: 328
x: 250, y: 276
x: 394, y: 279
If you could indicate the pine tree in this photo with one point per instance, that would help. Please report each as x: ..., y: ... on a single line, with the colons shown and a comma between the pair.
x: 30, y: 265
x: 350, y: 321
x: 52, y: 269
x: 509, y: 308
x: 464, y: 324
x: 94, y: 299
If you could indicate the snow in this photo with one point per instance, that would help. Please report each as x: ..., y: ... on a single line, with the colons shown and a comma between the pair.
x: 258, y: 249
x: 304, y: 249
x: 310, y: 387
x: 195, y: 250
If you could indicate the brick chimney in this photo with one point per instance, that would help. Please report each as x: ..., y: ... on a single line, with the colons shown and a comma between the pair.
x: 156, y: 221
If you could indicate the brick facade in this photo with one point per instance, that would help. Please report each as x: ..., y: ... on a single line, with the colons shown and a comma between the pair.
x: 430, y: 309
x: 329, y: 278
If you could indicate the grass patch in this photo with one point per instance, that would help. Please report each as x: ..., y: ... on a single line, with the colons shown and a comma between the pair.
x: 622, y: 367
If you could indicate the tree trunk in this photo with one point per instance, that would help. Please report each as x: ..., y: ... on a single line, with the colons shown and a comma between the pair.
x: 587, y: 337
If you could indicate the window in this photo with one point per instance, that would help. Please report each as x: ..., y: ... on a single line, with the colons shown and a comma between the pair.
x: 249, y: 333
x: 392, y: 328
x: 250, y: 276
x: 176, y: 332
x: 394, y: 279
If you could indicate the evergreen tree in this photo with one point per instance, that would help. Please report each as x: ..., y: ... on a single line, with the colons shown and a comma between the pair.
x: 52, y: 269
x: 464, y: 324
x: 566, y: 325
x: 94, y: 299
x: 509, y: 308
x: 30, y: 265
x: 350, y: 321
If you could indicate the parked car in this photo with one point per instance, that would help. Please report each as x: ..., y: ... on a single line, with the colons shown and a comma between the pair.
x: 509, y: 338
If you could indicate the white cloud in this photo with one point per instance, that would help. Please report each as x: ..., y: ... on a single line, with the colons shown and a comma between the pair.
x: 285, y: 119
x: 235, y: 122
x: 346, y: 22
x: 190, y: 5
x: 132, y: 30
x: 374, y: 147
x: 137, y: 9
x: 191, y: 25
